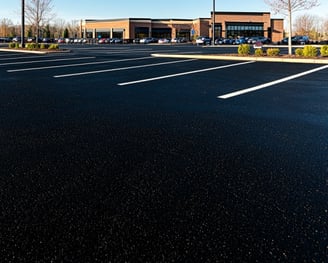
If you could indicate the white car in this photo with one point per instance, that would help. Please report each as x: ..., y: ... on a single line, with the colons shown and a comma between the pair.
x: 164, y: 41
x: 147, y: 40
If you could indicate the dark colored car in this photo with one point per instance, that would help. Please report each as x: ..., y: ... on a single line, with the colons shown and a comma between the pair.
x: 263, y: 40
x: 296, y: 40
x: 203, y: 41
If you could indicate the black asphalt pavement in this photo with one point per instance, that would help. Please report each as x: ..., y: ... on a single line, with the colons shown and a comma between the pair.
x: 111, y: 155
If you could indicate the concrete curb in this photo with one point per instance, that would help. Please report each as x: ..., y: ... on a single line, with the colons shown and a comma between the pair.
x: 261, y: 59
x: 33, y: 51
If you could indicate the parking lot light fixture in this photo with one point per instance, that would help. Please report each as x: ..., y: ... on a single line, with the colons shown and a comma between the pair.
x: 213, y: 24
x: 23, y: 24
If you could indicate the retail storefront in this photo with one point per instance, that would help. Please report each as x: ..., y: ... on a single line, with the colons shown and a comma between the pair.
x: 247, y: 24
x: 227, y: 24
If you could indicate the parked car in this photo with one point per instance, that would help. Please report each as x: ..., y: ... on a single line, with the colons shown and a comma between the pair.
x: 218, y: 41
x: 164, y: 40
x: 148, y: 40
x: 69, y: 40
x: 296, y: 40
x: 203, y: 40
x: 61, y: 41
x: 263, y: 40
x: 179, y: 40
x: 302, y: 40
x: 4, y: 39
x: 240, y: 41
x: 47, y: 40
x: 104, y: 41
x: 116, y: 41
x: 228, y: 41
x: 30, y: 39
x: 17, y: 39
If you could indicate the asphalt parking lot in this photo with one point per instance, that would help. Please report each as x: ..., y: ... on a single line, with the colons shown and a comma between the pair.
x: 111, y: 155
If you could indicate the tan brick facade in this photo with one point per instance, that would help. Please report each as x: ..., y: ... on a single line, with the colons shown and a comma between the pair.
x: 272, y: 28
x: 227, y: 24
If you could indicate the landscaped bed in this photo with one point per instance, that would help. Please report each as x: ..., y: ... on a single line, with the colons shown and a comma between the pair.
x: 36, y: 47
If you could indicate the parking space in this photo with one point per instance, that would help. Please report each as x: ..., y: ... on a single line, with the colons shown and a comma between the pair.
x: 102, y: 60
x: 111, y: 149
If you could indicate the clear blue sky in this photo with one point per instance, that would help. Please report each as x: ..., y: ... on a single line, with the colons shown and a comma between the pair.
x: 108, y: 9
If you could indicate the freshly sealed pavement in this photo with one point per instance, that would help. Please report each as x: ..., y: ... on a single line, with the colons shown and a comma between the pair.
x: 111, y: 155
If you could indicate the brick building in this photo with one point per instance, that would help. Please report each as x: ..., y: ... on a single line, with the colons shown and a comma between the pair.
x: 227, y: 24
x: 247, y: 24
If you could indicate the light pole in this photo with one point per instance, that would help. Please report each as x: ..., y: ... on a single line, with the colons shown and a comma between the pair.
x: 23, y: 24
x: 213, y: 24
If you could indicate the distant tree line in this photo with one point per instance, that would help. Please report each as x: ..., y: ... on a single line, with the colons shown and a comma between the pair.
x: 40, y: 23
x: 57, y: 29
x: 313, y: 26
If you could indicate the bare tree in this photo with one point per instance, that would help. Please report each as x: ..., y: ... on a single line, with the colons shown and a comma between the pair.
x: 6, y: 27
x: 304, y: 24
x: 325, y: 28
x: 74, y: 28
x: 287, y: 7
x: 59, y: 27
x: 38, y: 13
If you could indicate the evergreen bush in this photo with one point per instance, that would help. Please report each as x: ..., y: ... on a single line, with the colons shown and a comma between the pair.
x: 299, y: 52
x: 53, y: 46
x: 272, y: 52
x: 258, y: 52
x: 324, y: 51
x: 32, y: 46
x: 244, y: 49
x: 310, y: 51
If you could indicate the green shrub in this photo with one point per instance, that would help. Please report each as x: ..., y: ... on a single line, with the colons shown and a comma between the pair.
x: 299, y: 52
x: 12, y: 45
x: 16, y: 45
x: 32, y: 46
x: 273, y: 52
x: 258, y: 52
x: 310, y: 51
x: 324, y: 51
x: 43, y: 46
x: 53, y: 46
x: 244, y: 49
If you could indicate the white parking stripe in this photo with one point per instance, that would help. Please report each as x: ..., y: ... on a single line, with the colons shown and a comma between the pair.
x: 9, y: 55
x: 184, y: 73
x: 139, y: 51
x: 28, y: 57
x: 44, y: 61
x: 240, y: 92
x: 78, y: 65
x: 119, y: 69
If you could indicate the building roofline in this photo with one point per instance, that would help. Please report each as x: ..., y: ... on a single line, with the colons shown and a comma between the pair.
x: 239, y: 13
x: 115, y: 19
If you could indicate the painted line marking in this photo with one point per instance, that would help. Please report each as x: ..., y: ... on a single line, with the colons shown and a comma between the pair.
x: 265, y: 85
x: 184, y: 73
x: 138, y: 51
x: 77, y: 65
x: 9, y: 55
x: 44, y: 61
x: 120, y: 69
x: 29, y: 57
x: 19, y: 58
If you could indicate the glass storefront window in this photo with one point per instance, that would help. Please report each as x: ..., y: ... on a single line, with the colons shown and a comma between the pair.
x: 244, y: 29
